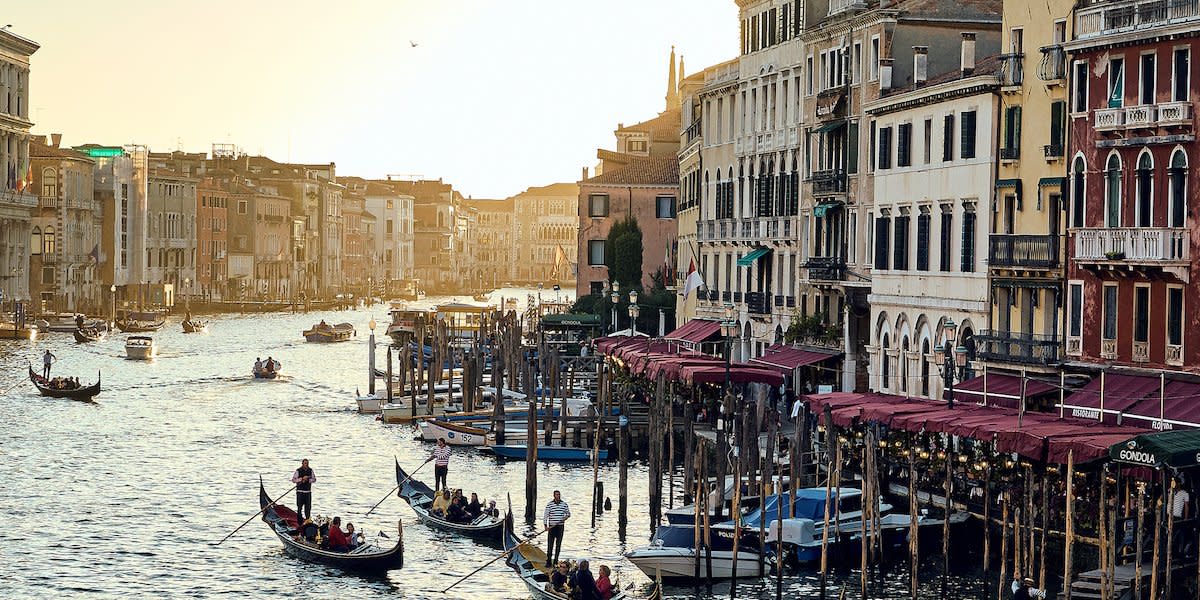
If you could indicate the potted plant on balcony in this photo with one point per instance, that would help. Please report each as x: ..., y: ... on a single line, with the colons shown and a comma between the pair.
x: 1115, y: 255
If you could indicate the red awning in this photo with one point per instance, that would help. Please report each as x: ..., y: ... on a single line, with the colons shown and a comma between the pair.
x: 695, y: 331
x: 788, y: 358
x: 738, y: 373
x: 1178, y: 406
x: 1120, y: 393
x: 1002, y: 390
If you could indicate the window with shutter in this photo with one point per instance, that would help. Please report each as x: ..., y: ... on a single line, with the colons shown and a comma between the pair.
x: 882, y: 225
x: 1141, y: 314
x: 1075, y: 320
x: 1110, y: 312
x: 885, y: 148
x: 900, y: 246
x: 852, y: 149
x: 948, y: 139
x: 923, y: 223
x: 968, y: 243
x: 967, y: 144
x: 1058, y: 116
x: 947, y: 235
x: 903, y: 145
x: 1175, y: 316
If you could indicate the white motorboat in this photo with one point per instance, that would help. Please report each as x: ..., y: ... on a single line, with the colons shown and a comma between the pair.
x: 672, y: 554
x: 401, y: 411
x: 369, y: 404
x: 140, y: 347
x: 453, y: 433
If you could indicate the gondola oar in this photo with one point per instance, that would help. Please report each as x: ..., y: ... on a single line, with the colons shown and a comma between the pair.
x: 389, y: 494
x: 260, y: 511
x: 506, y: 553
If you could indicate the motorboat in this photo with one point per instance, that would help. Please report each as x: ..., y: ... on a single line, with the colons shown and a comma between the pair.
x: 140, y: 347
x: 325, y: 333
x: 403, y: 326
x: 267, y: 370
x: 454, y: 433
x: 686, y: 514
x: 369, y: 404
x: 400, y: 411
x: 671, y: 554
x: 548, y: 453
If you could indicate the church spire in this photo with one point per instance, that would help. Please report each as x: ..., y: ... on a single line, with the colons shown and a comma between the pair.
x: 672, y: 86
x: 682, y: 73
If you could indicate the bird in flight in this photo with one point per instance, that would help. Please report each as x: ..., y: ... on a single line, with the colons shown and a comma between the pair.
x: 414, y: 44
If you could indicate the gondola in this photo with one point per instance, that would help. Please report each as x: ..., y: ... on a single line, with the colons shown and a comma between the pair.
x: 420, y: 497
x: 89, y: 335
x: 262, y: 372
x: 135, y: 326
x: 528, y: 561
x: 79, y: 393
x: 194, y: 326
x: 368, y: 558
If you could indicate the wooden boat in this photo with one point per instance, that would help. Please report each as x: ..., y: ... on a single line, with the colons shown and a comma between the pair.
x: 453, y: 433
x: 420, y: 498
x: 555, y: 453
x: 136, y: 326
x: 326, y: 333
x: 262, y: 372
x: 367, y: 558
x: 66, y: 323
x: 10, y: 331
x: 140, y: 347
x: 89, y: 335
x: 194, y: 326
x: 369, y: 404
x: 79, y: 393
x: 400, y: 411
x: 529, y: 563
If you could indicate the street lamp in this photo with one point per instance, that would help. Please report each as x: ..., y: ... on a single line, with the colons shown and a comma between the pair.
x: 112, y: 294
x: 633, y: 311
x: 728, y: 330
x: 951, y: 356
x: 187, y: 294
x: 616, y: 297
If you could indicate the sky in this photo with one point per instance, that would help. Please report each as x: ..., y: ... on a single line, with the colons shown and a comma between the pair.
x: 496, y: 96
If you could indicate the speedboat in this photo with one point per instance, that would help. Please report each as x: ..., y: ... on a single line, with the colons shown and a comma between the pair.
x: 140, y: 347
x: 325, y: 333
x: 400, y: 411
x: 454, y: 433
x: 369, y: 404
x: 672, y: 555
x: 265, y: 371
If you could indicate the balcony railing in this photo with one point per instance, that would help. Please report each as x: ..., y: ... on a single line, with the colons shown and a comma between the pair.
x: 1012, y: 69
x: 1144, y: 116
x: 758, y: 303
x: 1143, y: 244
x: 1017, y: 347
x: 1012, y: 153
x: 693, y: 131
x: 1174, y: 114
x: 837, y: 6
x: 1034, y: 251
x: 826, y: 268
x: 1108, y: 119
x: 1104, y: 18
x: 1054, y: 63
x: 47, y: 202
x: 1053, y: 150
x: 831, y: 181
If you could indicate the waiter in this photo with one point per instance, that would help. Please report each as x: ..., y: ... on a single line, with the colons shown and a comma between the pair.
x: 304, y: 478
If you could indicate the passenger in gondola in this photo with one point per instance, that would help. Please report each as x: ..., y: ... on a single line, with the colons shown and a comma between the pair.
x: 257, y: 364
x: 337, y: 537
x: 441, y: 502
x: 474, y: 508
x: 604, y: 586
x: 491, y: 510
x: 456, y: 513
x: 78, y: 321
x: 354, y: 539
x: 558, y: 579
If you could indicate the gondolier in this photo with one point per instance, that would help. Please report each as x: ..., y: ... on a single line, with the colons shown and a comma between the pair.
x: 47, y: 360
x: 557, y: 513
x: 304, y: 478
x: 441, y: 464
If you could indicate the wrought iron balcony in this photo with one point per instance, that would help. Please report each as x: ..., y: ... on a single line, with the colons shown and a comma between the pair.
x: 1012, y: 69
x: 1017, y: 347
x: 1054, y: 63
x: 831, y: 181
x: 758, y: 303
x: 1010, y: 153
x: 693, y: 131
x: 1053, y: 150
x: 1033, y: 251
x: 826, y: 268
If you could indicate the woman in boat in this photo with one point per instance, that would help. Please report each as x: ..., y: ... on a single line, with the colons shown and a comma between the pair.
x: 474, y: 508
x: 604, y: 586
x: 441, y: 503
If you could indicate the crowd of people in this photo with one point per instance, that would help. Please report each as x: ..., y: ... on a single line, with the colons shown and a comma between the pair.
x: 268, y: 365
x: 579, y: 583
x: 63, y: 383
x: 455, y: 508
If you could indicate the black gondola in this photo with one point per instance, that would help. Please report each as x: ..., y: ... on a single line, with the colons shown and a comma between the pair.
x: 368, y: 558
x: 420, y: 497
x: 89, y: 335
x: 79, y: 393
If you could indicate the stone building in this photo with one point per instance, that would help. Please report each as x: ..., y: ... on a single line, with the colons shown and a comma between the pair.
x: 66, y: 234
x: 17, y: 200
x: 546, y: 226
x: 493, y: 261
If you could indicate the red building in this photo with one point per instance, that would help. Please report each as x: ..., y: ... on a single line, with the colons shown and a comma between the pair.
x: 212, y: 238
x: 1132, y: 296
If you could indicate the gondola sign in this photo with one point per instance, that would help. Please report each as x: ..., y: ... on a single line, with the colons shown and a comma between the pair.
x: 1178, y: 449
x: 1132, y: 454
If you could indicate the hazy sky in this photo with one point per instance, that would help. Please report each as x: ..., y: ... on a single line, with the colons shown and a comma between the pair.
x: 496, y: 96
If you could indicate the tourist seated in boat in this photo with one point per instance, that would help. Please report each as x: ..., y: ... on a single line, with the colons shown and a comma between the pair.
x: 337, y: 537
x: 474, y: 508
x: 582, y: 584
x: 354, y: 539
x: 492, y: 511
x: 257, y: 363
x: 604, y: 586
x: 441, y: 502
x: 270, y: 365
x: 323, y: 325
x: 560, y: 577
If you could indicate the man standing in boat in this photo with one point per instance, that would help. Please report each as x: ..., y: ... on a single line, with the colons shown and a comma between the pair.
x: 441, y: 464
x: 557, y: 513
x: 304, y: 478
x: 47, y: 360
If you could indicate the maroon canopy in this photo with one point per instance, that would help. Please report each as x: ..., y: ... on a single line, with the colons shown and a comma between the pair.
x: 671, y: 366
x: 1120, y: 393
x: 1002, y: 390
x: 695, y: 331
x: 1177, y: 406
x: 738, y: 373
x: 788, y: 358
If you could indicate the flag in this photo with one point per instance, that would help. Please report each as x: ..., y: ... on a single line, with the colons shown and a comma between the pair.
x: 560, y: 260
x: 693, y: 281
x: 26, y: 179
x: 95, y: 253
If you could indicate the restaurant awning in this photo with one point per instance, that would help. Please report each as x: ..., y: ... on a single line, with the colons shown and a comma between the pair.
x: 695, y: 331
x: 1107, y: 396
x: 738, y: 373
x: 1002, y: 389
x: 788, y: 358
x: 752, y: 256
x: 1167, y: 449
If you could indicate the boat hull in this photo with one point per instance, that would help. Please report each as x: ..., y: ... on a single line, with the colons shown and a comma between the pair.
x: 81, y: 393
x: 420, y: 497
x: 90, y: 335
x: 679, y: 564
x: 455, y: 435
x: 139, y: 327
x: 403, y: 413
x: 554, y: 453
x: 369, y: 404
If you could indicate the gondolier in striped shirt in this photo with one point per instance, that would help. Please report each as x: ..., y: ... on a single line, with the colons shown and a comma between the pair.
x: 441, y: 464
x: 557, y: 513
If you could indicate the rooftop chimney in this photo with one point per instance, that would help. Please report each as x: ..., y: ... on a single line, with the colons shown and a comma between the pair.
x: 968, y: 53
x: 885, y: 74
x: 920, y: 64
x: 55, y: 139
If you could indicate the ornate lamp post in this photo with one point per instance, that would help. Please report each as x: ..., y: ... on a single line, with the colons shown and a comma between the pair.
x: 728, y: 331
x: 951, y: 356
x: 615, y: 297
x: 112, y: 294
x: 633, y: 311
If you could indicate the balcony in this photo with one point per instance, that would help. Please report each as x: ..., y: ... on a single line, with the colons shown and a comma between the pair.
x: 1054, y: 63
x: 840, y: 6
x: 1012, y: 69
x: 1027, y: 251
x: 758, y: 303
x: 831, y: 181
x: 1174, y: 114
x: 1053, y: 151
x: 826, y: 268
x: 1109, y: 119
x: 1010, y: 153
x: 47, y: 202
x: 1106, y: 18
x: 1146, y: 245
x: 693, y: 131
x: 1017, y: 347
x: 1144, y: 116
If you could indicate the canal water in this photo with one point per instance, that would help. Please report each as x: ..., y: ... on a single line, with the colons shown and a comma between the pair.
x: 126, y: 496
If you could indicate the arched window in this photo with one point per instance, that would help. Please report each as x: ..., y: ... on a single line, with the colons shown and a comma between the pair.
x: 49, y: 182
x: 48, y: 240
x: 1112, y: 191
x: 925, y: 368
x: 1178, y: 177
x: 1078, y: 199
x: 35, y: 241
x: 1145, y: 189
x: 885, y: 367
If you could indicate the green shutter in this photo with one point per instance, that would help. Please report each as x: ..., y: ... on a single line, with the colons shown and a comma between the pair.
x: 852, y: 149
x: 1117, y: 94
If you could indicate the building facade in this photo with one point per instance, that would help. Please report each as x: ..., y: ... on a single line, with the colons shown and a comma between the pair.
x: 212, y: 239
x: 17, y: 199
x: 171, y: 237
x: 65, y: 238
x: 492, y: 263
x: 392, y: 242
x: 545, y: 229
